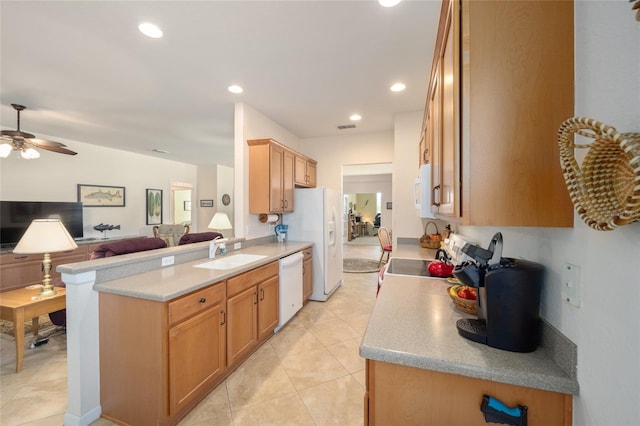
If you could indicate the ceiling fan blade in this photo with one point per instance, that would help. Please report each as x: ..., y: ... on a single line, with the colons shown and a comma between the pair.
x: 44, y: 143
x: 57, y: 149
x: 16, y: 134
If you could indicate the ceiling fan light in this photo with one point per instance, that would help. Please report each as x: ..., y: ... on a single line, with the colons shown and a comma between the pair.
x: 30, y: 154
x: 5, y: 150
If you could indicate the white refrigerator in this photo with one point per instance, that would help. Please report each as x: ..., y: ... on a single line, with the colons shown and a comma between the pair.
x: 317, y: 218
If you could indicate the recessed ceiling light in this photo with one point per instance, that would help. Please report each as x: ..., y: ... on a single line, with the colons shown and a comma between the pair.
x: 388, y: 3
x: 150, y: 30
x: 235, y: 89
x: 355, y: 117
x: 398, y: 87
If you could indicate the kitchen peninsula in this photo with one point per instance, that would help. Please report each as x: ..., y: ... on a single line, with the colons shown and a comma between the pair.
x: 420, y: 371
x: 155, y: 340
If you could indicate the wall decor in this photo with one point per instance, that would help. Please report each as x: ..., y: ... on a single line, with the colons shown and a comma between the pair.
x: 187, y: 206
x: 206, y: 203
x: 101, y: 195
x: 389, y: 205
x: 154, y: 206
x: 226, y: 199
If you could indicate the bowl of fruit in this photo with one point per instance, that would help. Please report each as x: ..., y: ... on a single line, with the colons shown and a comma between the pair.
x: 465, y: 298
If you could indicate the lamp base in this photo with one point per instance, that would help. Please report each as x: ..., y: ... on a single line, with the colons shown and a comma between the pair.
x: 47, y: 291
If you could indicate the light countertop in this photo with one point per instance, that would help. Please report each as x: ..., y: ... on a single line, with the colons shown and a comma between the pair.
x: 414, y: 324
x: 169, y: 282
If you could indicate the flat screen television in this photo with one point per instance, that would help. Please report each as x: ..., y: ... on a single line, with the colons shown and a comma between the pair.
x: 16, y: 216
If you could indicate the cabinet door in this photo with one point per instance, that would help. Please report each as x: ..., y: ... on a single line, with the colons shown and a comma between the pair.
x: 268, y: 293
x: 435, y: 134
x: 242, y: 324
x: 450, y: 184
x: 288, y: 166
x: 307, y: 279
x: 276, y: 158
x: 196, y: 356
x: 311, y: 174
x: 301, y: 171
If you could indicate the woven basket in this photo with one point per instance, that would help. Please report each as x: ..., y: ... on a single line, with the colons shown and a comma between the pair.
x: 430, y: 241
x: 605, y: 190
x: 465, y: 305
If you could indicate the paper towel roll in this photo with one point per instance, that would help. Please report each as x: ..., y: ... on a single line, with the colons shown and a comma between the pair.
x: 270, y: 218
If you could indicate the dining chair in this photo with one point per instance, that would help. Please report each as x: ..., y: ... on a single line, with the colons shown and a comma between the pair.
x: 385, y: 243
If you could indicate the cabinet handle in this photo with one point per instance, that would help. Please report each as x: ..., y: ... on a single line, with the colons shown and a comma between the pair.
x: 224, y: 317
x: 203, y: 300
x: 255, y: 294
x: 433, y: 195
x: 262, y: 294
x: 20, y: 257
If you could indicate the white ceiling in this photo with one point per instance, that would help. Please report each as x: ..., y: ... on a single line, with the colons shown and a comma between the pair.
x: 86, y: 74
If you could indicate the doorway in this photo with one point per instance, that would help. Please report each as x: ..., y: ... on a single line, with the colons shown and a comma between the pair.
x: 181, y: 203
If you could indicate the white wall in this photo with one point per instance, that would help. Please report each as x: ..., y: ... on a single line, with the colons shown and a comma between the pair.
x: 54, y: 177
x: 252, y: 124
x: 605, y: 327
x: 332, y: 153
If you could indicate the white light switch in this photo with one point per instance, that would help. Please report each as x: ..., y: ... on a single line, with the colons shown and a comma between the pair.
x: 571, y: 284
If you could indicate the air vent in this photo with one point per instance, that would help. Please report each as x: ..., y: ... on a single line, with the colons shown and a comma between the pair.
x: 346, y: 126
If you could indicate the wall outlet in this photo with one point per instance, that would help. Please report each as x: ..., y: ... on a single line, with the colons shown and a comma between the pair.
x: 571, y: 284
x: 237, y: 246
x: 168, y: 260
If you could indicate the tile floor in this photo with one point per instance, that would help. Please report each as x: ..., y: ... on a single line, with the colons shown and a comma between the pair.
x: 309, y: 373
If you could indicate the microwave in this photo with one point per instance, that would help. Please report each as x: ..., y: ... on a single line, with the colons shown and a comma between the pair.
x: 422, y: 192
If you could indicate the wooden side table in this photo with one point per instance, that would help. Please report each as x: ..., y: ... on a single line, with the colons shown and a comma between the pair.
x: 21, y: 304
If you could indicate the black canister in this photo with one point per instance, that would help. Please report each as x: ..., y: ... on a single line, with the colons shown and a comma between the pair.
x: 513, y: 291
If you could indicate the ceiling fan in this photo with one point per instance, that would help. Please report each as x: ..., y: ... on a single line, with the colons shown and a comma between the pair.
x: 26, y: 143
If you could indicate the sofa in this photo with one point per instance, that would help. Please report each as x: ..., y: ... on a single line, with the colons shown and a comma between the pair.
x: 132, y: 245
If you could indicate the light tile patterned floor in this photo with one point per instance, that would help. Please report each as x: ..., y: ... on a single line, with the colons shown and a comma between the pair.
x: 309, y: 373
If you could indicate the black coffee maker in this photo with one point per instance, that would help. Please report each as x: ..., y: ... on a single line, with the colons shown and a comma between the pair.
x: 509, y: 292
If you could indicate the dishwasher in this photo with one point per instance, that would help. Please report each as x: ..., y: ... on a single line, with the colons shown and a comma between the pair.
x: 290, y: 288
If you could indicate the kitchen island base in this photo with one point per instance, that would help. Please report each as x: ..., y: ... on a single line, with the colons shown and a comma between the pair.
x: 397, y: 394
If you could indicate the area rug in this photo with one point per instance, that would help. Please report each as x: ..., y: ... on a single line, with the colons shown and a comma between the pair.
x: 44, y: 326
x: 359, y: 266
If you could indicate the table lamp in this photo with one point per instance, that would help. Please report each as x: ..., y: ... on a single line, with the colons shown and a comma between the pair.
x: 45, y: 236
x: 219, y: 222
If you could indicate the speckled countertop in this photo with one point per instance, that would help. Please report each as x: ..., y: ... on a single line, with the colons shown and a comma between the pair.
x: 414, y: 324
x: 169, y: 282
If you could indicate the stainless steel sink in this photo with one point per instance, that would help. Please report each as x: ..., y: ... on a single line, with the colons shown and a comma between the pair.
x: 409, y: 267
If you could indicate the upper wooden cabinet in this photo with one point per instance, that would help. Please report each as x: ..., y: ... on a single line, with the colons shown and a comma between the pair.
x: 305, y: 175
x: 271, y: 169
x: 501, y: 85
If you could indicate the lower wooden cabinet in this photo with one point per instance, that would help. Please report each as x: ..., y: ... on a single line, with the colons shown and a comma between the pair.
x: 252, y: 306
x: 159, y: 359
x: 400, y: 395
x: 307, y: 275
x: 197, y: 352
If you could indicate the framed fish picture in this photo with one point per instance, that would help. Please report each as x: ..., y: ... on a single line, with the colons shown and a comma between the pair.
x: 154, y: 206
x: 101, y: 195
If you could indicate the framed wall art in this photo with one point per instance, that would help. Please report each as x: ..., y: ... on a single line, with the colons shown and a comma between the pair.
x: 187, y: 206
x: 154, y: 207
x: 100, y: 195
x: 206, y: 203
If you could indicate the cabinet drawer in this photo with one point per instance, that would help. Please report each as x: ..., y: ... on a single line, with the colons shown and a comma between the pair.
x: 241, y: 282
x: 195, y: 302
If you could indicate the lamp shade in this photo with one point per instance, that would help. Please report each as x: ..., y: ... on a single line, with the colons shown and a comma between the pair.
x: 220, y: 221
x: 45, y: 236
